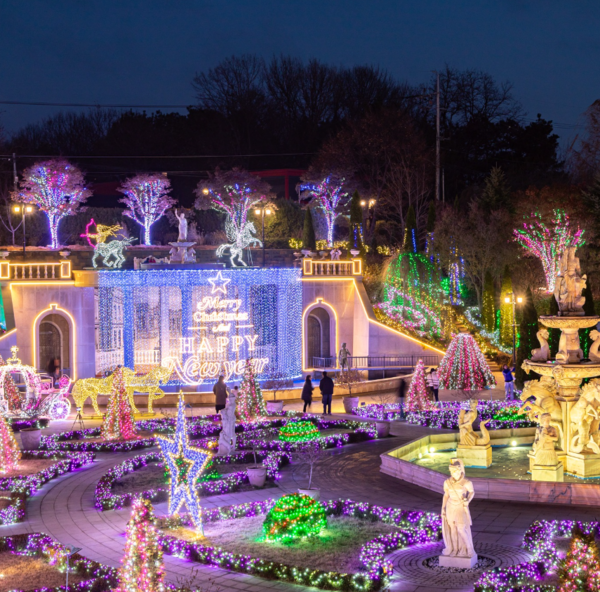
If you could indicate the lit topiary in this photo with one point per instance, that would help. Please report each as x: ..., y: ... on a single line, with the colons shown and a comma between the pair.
x: 294, y: 516
x: 299, y: 431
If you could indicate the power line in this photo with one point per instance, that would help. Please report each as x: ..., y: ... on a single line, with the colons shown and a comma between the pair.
x: 160, y: 157
x: 97, y: 105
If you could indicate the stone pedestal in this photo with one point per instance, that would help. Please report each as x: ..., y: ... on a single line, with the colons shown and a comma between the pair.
x: 548, y: 473
x: 560, y: 454
x: 460, y: 562
x: 476, y: 457
x: 583, y: 464
x: 181, y: 256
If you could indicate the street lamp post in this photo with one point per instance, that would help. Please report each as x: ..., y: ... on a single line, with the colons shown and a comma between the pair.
x: 23, y: 209
x: 261, y: 212
x: 510, y: 299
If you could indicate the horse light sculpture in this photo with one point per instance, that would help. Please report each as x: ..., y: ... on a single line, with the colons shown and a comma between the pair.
x: 106, y: 250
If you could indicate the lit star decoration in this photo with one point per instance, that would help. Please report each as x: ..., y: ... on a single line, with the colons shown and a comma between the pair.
x: 330, y: 198
x: 185, y: 464
x: 147, y: 199
x: 57, y: 188
x: 548, y: 243
x: 464, y: 367
x: 219, y: 283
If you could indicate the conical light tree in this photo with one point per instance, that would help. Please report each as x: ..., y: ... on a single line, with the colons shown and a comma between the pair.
x: 250, y: 403
x: 464, y: 367
x: 143, y: 568
x: 416, y: 396
x: 10, y: 454
x: 118, y: 421
x: 11, y: 392
x: 580, y: 570
x: 57, y: 188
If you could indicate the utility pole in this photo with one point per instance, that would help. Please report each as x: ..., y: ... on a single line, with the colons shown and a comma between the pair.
x: 15, y: 181
x: 437, y: 136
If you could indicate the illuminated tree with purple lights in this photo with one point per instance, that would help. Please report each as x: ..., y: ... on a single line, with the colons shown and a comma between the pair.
x: 548, y: 242
x: 57, y: 188
x: 147, y: 199
x: 329, y: 196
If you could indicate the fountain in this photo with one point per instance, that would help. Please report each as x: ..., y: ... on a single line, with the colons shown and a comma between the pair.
x: 578, y: 434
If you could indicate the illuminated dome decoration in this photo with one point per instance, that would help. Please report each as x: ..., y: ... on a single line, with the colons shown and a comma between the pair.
x: 294, y: 516
x: 413, y: 294
x: 464, y: 367
x: 299, y: 431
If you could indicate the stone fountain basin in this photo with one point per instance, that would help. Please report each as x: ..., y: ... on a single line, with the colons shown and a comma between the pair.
x: 507, y: 483
x: 569, y: 322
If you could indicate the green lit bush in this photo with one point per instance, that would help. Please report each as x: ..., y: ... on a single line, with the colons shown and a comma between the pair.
x: 294, y: 516
x: 299, y: 431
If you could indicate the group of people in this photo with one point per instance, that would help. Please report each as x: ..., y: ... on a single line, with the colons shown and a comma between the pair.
x: 326, y: 388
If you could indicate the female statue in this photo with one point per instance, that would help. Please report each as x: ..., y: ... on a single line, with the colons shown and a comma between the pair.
x: 456, y: 518
x: 546, y: 437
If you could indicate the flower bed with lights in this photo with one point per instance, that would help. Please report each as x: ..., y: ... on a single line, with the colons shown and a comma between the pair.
x: 412, y: 528
x: 299, y: 431
x: 89, y: 440
x: 18, y: 424
x: 106, y: 499
x: 95, y: 576
x: 385, y: 412
x: 22, y: 486
x: 539, y: 541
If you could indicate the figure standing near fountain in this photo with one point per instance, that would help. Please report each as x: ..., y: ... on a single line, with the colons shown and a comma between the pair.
x: 456, y: 518
x: 546, y: 437
x: 183, y: 227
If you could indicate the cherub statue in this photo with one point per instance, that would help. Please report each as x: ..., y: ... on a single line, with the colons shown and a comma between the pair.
x: 335, y: 254
x: 546, y: 436
x: 456, y: 518
x: 542, y: 353
x: 468, y: 437
x: 595, y: 337
x: 343, y: 356
x: 570, y: 284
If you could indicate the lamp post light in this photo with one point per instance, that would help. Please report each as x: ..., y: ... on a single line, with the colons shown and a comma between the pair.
x: 368, y: 205
x: 510, y: 299
x: 262, y: 211
x: 23, y: 209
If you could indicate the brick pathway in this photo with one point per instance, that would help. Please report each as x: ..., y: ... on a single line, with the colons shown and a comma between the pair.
x: 64, y: 509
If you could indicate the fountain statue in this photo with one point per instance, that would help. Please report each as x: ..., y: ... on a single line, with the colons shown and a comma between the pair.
x: 574, y: 412
x: 546, y: 466
x: 227, y: 437
x: 473, y: 450
x: 182, y: 251
x: 542, y: 353
x: 456, y: 519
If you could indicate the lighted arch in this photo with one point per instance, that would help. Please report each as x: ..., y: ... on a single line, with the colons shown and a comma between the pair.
x: 56, y: 309
x: 318, y: 303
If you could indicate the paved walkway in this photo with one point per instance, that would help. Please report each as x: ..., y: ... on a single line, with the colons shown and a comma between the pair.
x: 64, y: 509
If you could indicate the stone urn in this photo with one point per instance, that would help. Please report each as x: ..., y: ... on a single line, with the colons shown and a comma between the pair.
x: 30, y: 438
x: 314, y: 493
x: 274, y: 406
x: 64, y: 254
x: 350, y: 403
x: 257, y: 475
x: 383, y: 429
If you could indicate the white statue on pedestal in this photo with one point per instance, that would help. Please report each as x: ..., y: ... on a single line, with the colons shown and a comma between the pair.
x: 227, y: 437
x: 456, y: 519
x: 546, y: 436
x: 183, y: 227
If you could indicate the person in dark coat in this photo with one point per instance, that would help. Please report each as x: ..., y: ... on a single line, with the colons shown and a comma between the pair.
x: 401, y: 392
x: 307, y: 391
x: 326, y: 386
x: 220, y: 390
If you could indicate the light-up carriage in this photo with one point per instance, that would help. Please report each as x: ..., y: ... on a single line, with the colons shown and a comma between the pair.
x: 40, y: 397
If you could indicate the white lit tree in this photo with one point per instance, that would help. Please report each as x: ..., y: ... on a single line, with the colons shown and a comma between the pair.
x: 147, y: 199
x: 234, y: 193
x: 57, y: 188
x: 329, y: 195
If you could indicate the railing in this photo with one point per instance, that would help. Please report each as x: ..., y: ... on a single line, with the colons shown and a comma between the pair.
x: 379, y: 362
x: 59, y: 270
x: 146, y: 357
x: 325, y: 267
x: 107, y: 361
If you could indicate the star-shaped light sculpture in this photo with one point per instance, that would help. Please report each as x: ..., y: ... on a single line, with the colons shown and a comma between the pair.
x: 185, y: 465
x: 219, y: 283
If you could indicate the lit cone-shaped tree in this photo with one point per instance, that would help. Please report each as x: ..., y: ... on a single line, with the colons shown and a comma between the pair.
x: 118, y: 421
x: 9, y: 449
x: 416, y: 397
x: 11, y: 392
x: 464, y: 367
x: 580, y: 570
x: 250, y: 402
x: 143, y: 568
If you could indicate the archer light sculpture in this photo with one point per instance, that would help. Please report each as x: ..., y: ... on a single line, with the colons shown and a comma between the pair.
x: 234, y: 193
x: 106, y: 250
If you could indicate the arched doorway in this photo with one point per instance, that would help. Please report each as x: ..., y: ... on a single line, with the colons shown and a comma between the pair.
x: 53, y: 333
x: 50, y: 343
x: 319, y: 334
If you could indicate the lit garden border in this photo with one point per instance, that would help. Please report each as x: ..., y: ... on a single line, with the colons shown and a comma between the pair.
x: 414, y: 528
x: 20, y: 487
x: 99, y: 578
x: 539, y: 541
x: 104, y: 499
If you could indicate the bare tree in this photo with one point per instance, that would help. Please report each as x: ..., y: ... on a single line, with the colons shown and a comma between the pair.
x: 277, y: 383
x: 583, y: 155
x: 310, y: 454
x: 7, y: 219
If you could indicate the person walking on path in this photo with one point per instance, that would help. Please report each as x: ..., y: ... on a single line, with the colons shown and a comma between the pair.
x: 401, y: 393
x: 220, y: 391
x: 326, y: 386
x: 509, y: 382
x: 307, y: 391
x: 433, y: 382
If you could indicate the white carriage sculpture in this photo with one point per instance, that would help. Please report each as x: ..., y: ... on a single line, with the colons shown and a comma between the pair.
x: 40, y: 399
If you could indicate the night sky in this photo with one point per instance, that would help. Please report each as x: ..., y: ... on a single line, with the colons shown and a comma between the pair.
x: 148, y: 51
